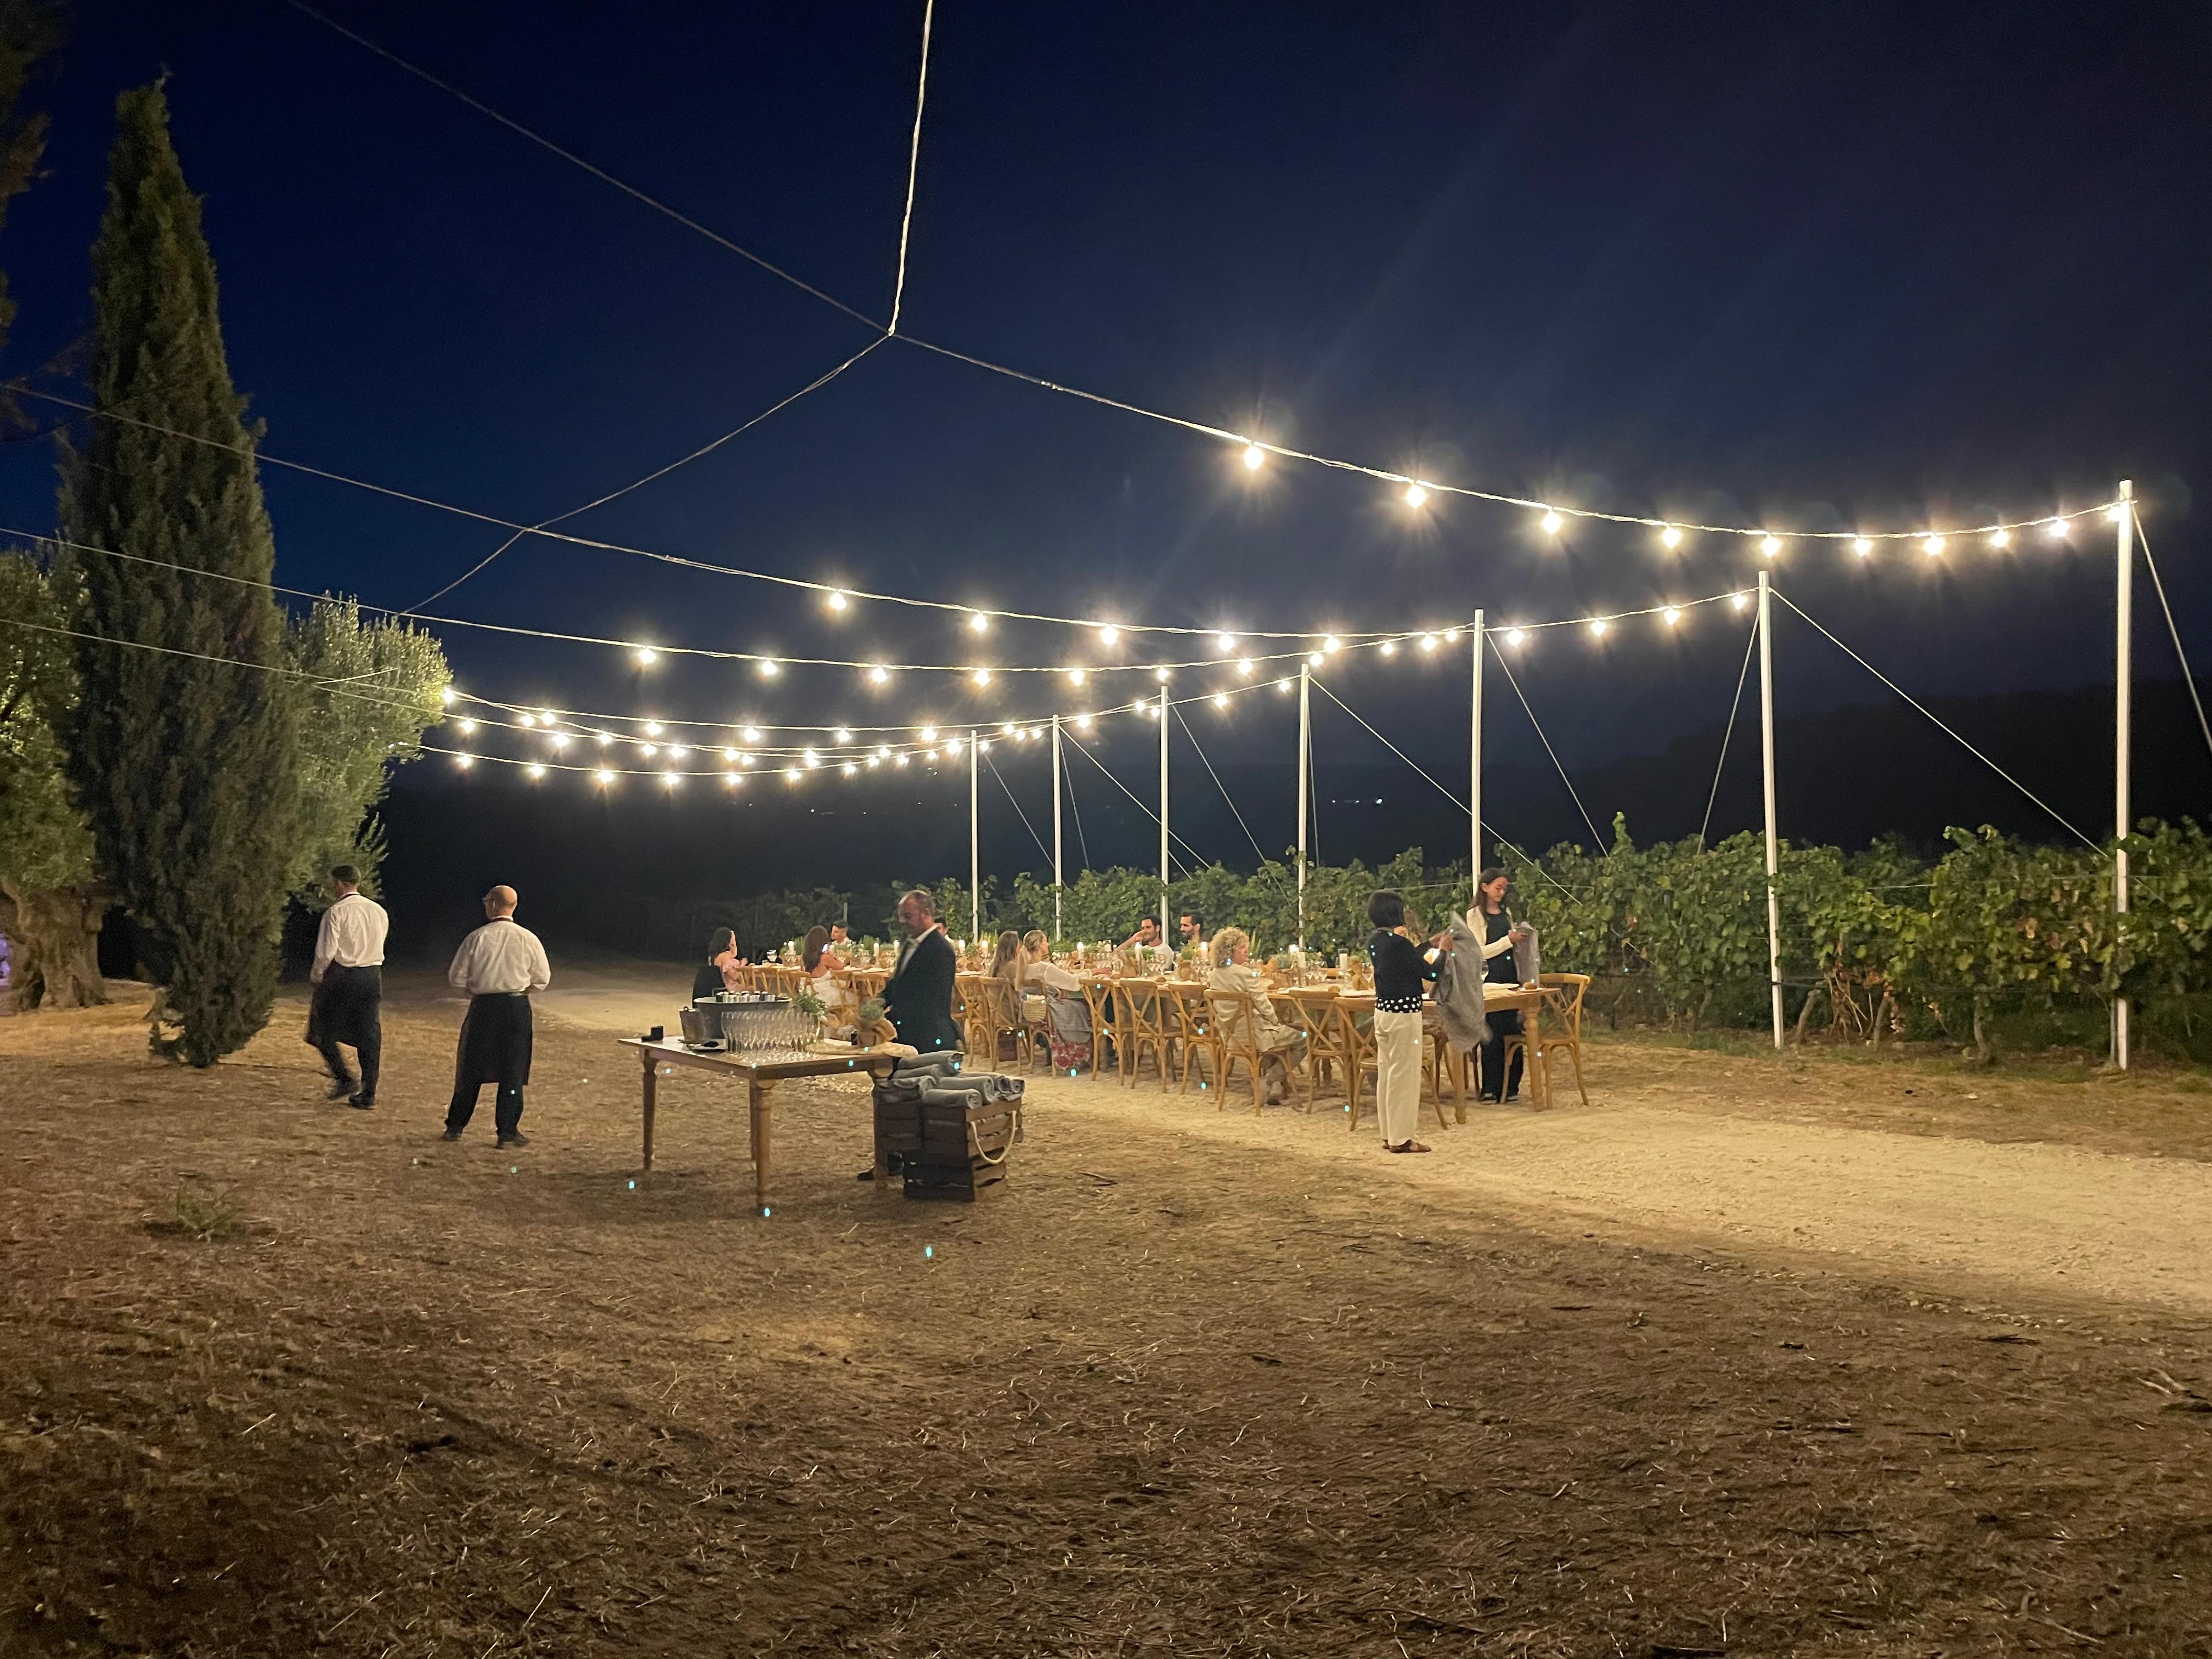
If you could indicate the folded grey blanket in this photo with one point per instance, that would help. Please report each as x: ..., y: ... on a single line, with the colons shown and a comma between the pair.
x: 1459, y: 991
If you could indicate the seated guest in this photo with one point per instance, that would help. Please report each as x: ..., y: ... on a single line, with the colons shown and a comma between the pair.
x: 823, y: 966
x: 1006, y: 981
x: 1146, y: 936
x: 718, y: 972
x: 1055, y: 995
x: 1193, y: 931
x: 1281, y: 1046
x: 918, y: 996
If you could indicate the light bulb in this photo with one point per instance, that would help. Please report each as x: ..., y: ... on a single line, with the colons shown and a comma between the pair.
x: 1597, y: 626
x: 603, y: 777
x: 732, y: 781
x: 603, y: 738
x: 982, y: 745
x: 1282, y: 684
x: 1255, y: 457
x: 1551, y: 522
x: 1244, y: 666
x: 535, y: 770
x: 879, y: 674
x: 1221, y: 699
x: 1075, y: 677
x: 849, y: 770
x: 446, y: 696
x: 648, y: 749
x: 1035, y: 731
x: 901, y: 761
x: 811, y: 758
x: 1514, y: 636
x: 1006, y: 729
x: 952, y: 746
x: 670, y: 778
x: 752, y: 734
x: 677, y: 751
x: 646, y: 656
x: 843, y: 734
x: 1670, y: 615
x: 1083, y: 722
x: 874, y: 761
x: 1769, y: 545
x: 2001, y: 539
x: 1861, y: 546
x: 559, y: 739
x: 929, y: 734
x: 1932, y: 546
x: 1738, y: 600
x: 1332, y: 644
x: 791, y: 775
x: 1389, y: 648
x: 1109, y: 634
x: 1428, y: 641
x: 981, y: 677
x: 653, y: 728
x: 1161, y: 675
x: 469, y: 726
x: 978, y: 623
x: 464, y: 762
x: 527, y: 720
x: 1139, y: 707
x: 2056, y: 529
x: 1415, y: 495
x: 836, y: 600
x: 731, y: 756
x: 770, y: 668
x: 1224, y: 642
x: 1451, y: 636
x: 1670, y: 539
x: 1314, y: 660
x: 883, y: 752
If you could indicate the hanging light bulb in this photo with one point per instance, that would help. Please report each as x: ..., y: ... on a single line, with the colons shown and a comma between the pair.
x: 982, y: 745
x: 1006, y: 729
x: 1332, y: 645
x: 1389, y: 648
x: 1083, y: 721
x: 770, y: 668
x: 464, y: 762
x: 1862, y: 545
x: 843, y: 734
x: 978, y: 623
x: 1551, y: 522
x: 469, y: 727
x: 981, y: 677
x: 1932, y: 546
x: 929, y: 734
x: 836, y: 600
x: 1769, y: 545
x: 874, y: 761
x: 535, y: 770
x: 1314, y: 660
x: 1514, y: 636
x: 1670, y: 539
x: 559, y: 739
x: 811, y: 758
x: 1670, y: 615
x: 2001, y: 539
x: 670, y: 778
x: 1738, y: 600
x: 1139, y: 706
x: 1075, y: 677
x: 791, y: 775
x: 1109, y: 634
x: 1597, y: 626
x: 677, y: 751
x: 952, y: 746
x: 1282, y: 684
x: 1451, y: 636
x: 648, y: 749
x: 879, y: 675
x: 732, y: 779
x: 1428, y: 641
x: 2056, y: 529
x: 1255, y: 458
x: 1161, y: 675
x: 603, y: 738
x: 883, y: 752
x: 446, y: 696
x: 646, y: 656
x: 603, y: 777
x: 1224, y: 643
x: 1035, y: 731
x: 1221, y: 699
x: 1244, y: 666
x: 1415, y: 495
x: 731, y: 756
x: 901, y: 761
x: 527, y: 720
x: 849, y: 770
x: 653, y: 728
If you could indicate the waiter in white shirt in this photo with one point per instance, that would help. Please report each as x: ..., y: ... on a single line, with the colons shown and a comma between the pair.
x: 499, y: 965
x: 348, y: 1004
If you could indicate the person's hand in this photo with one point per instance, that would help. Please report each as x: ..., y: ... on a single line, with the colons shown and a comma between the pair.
x: 1521, y: 933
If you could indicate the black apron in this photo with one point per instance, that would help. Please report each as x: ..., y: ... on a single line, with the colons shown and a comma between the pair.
x: 346, y: 1007
x: 494, y: 1042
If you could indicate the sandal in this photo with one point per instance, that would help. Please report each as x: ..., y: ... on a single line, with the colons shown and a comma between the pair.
x: 1407, y: 1147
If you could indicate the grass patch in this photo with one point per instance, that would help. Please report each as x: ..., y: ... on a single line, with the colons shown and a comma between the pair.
x: 205, y: 1216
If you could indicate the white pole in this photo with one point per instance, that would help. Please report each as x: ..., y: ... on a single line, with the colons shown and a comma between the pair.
x: 1163, y: 815
x: 1056, y: 871
x: 2123, y: 689
x: 1305, y: 769
x: 975, y: 846
x: 1475, y: 773
x: 1766, y: 751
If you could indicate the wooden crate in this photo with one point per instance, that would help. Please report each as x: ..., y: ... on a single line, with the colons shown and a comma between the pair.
x: 963, y: 1148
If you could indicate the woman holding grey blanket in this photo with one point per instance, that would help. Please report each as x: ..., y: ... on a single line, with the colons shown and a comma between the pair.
x: 1493, y: 924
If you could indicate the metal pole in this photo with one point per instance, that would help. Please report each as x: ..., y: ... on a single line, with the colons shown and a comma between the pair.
x: 2123, y: 703
x: 1056, y: 872
x: 1305, y: 770
x: 1766, y: 752
x: 975, y: 846
x: 1475, y: 773
x: 1163, y: 815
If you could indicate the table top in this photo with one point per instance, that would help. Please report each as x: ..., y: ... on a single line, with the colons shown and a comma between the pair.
x: 770, y: 1063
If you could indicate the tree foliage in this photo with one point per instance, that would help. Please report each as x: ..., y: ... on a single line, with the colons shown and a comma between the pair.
x: 29, y: 29
x: 184, y: 760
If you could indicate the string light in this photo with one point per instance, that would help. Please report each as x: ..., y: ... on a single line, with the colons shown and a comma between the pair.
x: 879, y: 674
x: 603, y: 738
x: 883, y: 751
x: 464, y: 762
x: 2001, y: 539
x: 559, y: 739
x: 1670, y: 539
x: 874, y: 761
x: 952, y: 746
x: 1161, y: 675
x: 791, y: 775
x: 1428, y: 641
x: 1075, y: 677
x: 1597, y: 626
x: 1514, y: 636
x: 1451, y: 636
x: 929, y: 734
x: 844, y: 734
x: 733, y: 779
x: 1933, y: 546
x: 670, y: 778
x: 981, y: 677
x: 982, y: 745
x: 1314, y: 660
x: 2116, y: 512
x: 2056, y: 529
x: 1282, y: 684
x: 1389, y: 648
x: 646, y: 656
x: 1109, y: 634
x: 731, y: 756
x: 1083, y: 721
x: 1738, y: 600
x: 812, y: 759
x: 603, y: 777
x: 1225, y: 643
x: 901, y: 761
x: 1332, y: 645
x: 535, y: 770
x: 469, y: 726
x: 1769, y: 545
x: 648, y: 749
x: 527, y: 720
x: 1861, y: 546
x: 1551, y: 522
x: 653, y: 728
x: 1221, y: 699
x: 752, y: 734
x: 677, y: 751
x: 1670, y: 615
x: 1255, y: 458
x: 849, y: 770
x: 836, y: 600
x: 769, y: 668
x: 446, y: 696
x: 1415, y: 495
x: 978, y: 623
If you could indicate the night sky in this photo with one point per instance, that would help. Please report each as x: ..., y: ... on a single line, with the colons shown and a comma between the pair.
x: 1880, y: 266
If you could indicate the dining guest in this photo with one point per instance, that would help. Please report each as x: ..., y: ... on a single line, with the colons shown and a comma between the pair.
x: 499, y: 965
x: 1493, y: 924
x: 822, y: 965
x: 718, y: 972
x: 838, y: 939
x: 1056, y: 995
x: 1193, y: 931
x: 1402, y: 972
x: 918, y: 995
x: 348, y: 975
x: 1006, y: 979
x: 1281, y: 1046
x: 1146, y: 938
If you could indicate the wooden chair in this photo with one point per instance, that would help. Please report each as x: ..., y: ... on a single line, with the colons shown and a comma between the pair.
x: 1098, y: 997
x: 1315, y: 1011
x: 1444, y: 1061
x: 1188, y: 1016
x: 974, y: 1013
x: 1356, y: 1043
x: 1233, y: 1035
x: 1570, y: 1035
x: 1138, y: 1012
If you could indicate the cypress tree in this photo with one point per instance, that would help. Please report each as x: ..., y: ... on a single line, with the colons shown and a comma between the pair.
x: 186, y: 767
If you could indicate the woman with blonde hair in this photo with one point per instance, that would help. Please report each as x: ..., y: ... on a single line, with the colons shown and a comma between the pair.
x: 1056, y: 997
x: 1281, y: 1046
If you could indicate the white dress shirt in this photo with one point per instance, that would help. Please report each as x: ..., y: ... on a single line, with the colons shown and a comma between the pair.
x: 351, y: 936
x: 501, y: 958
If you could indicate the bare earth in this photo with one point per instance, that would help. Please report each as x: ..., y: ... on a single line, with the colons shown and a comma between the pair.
x: 1752, y: 1356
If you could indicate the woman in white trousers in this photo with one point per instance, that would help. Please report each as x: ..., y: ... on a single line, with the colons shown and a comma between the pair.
x: 1403, y: 971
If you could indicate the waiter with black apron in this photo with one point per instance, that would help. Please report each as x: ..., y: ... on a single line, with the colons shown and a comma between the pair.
x: 348, y: 975
x: 499, y: 965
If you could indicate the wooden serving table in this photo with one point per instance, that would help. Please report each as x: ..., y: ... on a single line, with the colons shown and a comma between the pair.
x: 1529, y: 1000
x: 761, y: 1070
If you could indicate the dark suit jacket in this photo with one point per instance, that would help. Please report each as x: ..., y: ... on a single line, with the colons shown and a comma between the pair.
x: 918, y: 998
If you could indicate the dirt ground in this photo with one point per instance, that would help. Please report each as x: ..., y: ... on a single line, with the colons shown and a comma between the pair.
x: 1691, y: 1371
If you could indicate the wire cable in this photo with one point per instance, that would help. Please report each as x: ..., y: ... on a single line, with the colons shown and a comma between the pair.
x: 1736, y: 704
x: 1081, y: 840
x: 1962, y: 743
x: 913, y: 166
x: 1217, y: 784
x: 1603, y: 846
x: 1017, y: 805
x: 2188, y: 677
x: 1142, y: 807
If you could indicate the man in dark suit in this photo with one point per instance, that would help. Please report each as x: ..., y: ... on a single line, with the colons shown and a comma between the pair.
x: 918, y: 997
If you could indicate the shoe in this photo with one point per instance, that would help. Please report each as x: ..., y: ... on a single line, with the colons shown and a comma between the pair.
x: 362, y: 1103
x: 341, y: 1087
x: 451, y: 1134
x: 518, y: 1139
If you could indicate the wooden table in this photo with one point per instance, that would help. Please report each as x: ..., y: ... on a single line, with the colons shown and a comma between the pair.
x: 762, y: 1070
x: 1529, y: 1000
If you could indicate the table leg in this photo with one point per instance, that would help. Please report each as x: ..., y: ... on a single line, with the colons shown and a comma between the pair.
x: 1540, y: 1080
x: 652, y: 1089
x: 882, y: 1172
x: 760, y: 1143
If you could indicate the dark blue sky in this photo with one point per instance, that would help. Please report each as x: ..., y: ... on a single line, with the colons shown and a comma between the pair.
x: 1890, y: 264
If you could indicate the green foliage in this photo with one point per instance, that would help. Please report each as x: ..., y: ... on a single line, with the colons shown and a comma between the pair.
x: 389, y: 676
x: 186, y: 767
x: 29, y: 29
x: 45, y: 843
x: 207, y: 1217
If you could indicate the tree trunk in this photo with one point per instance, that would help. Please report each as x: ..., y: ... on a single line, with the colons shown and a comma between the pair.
x: 1804, y: 1015
x: 1982, y: 1050
x: 53, y: 946
x: 1881, y: 1014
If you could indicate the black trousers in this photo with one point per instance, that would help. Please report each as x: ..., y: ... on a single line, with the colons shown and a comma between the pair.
x: 350, y: 1008
x: 1502, y: 1022
x: 507, y: 1106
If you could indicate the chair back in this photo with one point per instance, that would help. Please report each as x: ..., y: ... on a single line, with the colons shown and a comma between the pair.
x: 1237, y: 1019
x: 1570, y: 1006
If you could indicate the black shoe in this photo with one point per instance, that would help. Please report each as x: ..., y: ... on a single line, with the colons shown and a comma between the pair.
x: 451, y: 1134
x: 341, y: 1087
x: 515, y: 1138
x: 362, y: 1103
